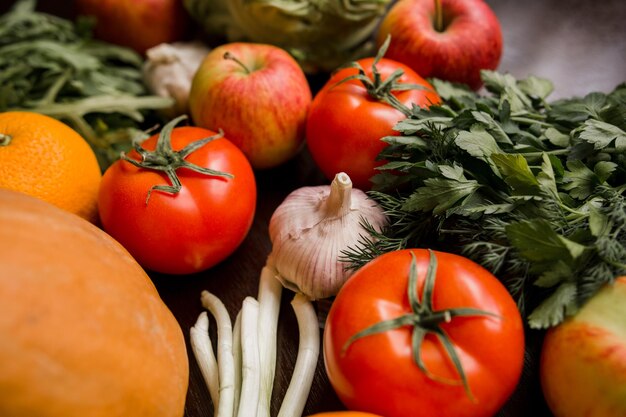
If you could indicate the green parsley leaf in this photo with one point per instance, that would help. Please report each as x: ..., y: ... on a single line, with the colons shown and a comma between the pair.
x: 579, y: 180
x: 557, y: 138
x: 516, y: 173
x: 477, y: 142
x: 601, y: 134
x: 441, y: 193
x: 536, y: 241
x: 554, y: 309
x: 535, y: 87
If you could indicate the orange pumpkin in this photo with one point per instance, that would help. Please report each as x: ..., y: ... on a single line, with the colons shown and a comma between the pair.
x: 83, y: 331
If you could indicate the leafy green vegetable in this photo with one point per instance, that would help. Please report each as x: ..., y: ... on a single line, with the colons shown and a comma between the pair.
x: 532, y: 190
x: 51, y: 66
x: 321, y: 34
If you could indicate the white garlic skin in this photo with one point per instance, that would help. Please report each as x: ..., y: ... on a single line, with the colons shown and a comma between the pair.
x: 309, y: 231
x: 169, y: 70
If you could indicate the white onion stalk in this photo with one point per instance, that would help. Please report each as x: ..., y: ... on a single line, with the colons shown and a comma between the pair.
x: 270, y: 292
x: 306, y: 361
x: 249, y: 399
x: 203, y: 352
x: 237, y: 361
x: 225, y: 358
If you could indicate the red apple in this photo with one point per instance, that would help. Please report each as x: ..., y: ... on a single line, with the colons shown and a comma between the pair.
x: 448, y: 39
x: 583, y: 360
x: 258, y: 95
x: 137, y: 24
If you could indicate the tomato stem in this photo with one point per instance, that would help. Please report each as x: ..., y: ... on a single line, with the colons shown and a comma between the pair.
x: 379, y: 89
x: 5, y: 140
x: 438, y: 16
x: 167, y: 160
x: 425, y: 320
x: 228, y: 55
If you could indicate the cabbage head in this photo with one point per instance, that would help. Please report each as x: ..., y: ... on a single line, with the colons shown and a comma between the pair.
x: 321, y: 34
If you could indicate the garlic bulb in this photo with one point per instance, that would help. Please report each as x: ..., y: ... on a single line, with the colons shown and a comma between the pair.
x: 169, y: 70
x: 311, y: 228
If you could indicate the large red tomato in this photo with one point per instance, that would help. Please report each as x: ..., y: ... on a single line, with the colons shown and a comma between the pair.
x: 344, y: 414
x: 188, y: 231
x: 378, y: 373
x: 346, y: 122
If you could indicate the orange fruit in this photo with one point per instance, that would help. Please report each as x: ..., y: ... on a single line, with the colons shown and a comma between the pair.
x: 47, y: 159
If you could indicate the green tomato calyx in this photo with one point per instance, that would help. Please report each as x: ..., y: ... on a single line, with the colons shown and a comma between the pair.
x: 167, y: 160
x: 425, y: 320
x: 382, y: 90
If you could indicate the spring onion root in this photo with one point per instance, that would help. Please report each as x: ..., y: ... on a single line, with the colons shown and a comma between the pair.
x: 306, y: 361
x: 203, y: 352
x: 225, y: 359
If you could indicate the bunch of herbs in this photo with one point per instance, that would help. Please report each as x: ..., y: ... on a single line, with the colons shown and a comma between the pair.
x: 532, y: 190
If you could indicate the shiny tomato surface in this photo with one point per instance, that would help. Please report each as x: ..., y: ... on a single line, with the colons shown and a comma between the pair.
x: 377, y: 373
x: 185, y: 232
x: 345, y: 123
x: 344, y: 414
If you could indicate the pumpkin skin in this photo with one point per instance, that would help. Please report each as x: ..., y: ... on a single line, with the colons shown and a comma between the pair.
x: 83, y: 331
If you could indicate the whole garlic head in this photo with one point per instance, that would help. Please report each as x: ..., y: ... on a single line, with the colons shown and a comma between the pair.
x: 311, y: 228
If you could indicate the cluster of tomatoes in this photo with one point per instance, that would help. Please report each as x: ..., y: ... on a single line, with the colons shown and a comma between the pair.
x: 344, y: 127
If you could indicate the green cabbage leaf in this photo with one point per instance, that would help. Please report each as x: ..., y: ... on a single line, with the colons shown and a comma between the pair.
x: 321, y: 34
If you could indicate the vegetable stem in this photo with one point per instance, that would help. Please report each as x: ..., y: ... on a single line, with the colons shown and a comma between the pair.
x: 340, y: 196
x: 228, y: 55
x: 237, y: 359
x: 438, y: 16
x: 225, y: 358
x: 553, y: 152
x: 270, y: 292
x: 203, y: 352
x: 249, y: 399
x: 306, y: 361
x: 616, y: 264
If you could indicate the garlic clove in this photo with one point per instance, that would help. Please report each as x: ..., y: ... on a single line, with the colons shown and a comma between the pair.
x: 312, y: 227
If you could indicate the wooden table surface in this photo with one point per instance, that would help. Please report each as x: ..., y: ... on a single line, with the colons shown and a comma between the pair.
x: 579, y: 44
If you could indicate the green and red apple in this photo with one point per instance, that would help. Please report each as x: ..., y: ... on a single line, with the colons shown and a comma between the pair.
x: 448, y: 39
x: 258, y: 95
x: 583, y: 360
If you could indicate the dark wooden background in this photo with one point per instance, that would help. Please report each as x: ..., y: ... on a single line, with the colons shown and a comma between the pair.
x: 579, y: 44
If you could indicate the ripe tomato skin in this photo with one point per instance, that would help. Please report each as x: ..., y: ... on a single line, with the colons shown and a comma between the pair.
x: 345, y: 124
x: 344, y: 414
x: 192, y: 230
x: 377, y: 373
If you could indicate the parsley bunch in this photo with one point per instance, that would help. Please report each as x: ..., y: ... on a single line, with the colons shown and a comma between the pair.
x: 530, y: 189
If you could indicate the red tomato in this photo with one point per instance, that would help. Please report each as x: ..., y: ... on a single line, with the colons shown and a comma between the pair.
x: 345, y: 123
x: 377, y: 373
x: 185, y: 232
x: 344, y: 414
